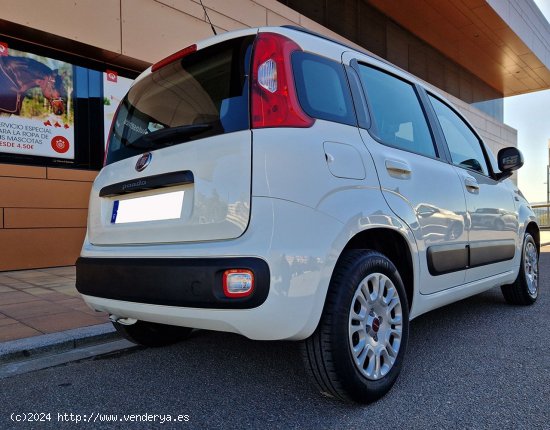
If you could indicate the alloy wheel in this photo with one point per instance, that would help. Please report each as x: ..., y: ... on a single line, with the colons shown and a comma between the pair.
x: 375, y: 326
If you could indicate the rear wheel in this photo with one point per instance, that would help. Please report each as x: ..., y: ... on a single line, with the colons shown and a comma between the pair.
x: 525, y: 289
x: 356, y: 352
x: 152, y: 334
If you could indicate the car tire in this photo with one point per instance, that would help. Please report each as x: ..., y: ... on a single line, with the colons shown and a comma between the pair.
x: 357, y: 350
x: 152, y: 334
x: 525, y: 289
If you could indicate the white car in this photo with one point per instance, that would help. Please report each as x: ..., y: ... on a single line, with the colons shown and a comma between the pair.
x: 274, y: 183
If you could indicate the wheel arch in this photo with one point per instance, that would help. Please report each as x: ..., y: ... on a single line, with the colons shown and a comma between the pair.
x: 393, y: 245
x: 533, y: 229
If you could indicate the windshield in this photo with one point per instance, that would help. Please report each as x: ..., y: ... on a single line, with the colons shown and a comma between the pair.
x: 201, y: 95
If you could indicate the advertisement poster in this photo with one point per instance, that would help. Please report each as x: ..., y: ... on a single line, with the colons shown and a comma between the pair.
x: 36, y: 111
x: 114, y: 89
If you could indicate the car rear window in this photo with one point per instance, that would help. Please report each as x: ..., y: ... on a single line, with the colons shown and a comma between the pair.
x: 203, y: 94
x: 322, y: 88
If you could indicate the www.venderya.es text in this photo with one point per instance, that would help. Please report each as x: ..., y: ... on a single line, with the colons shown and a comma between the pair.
x: 96, y: 417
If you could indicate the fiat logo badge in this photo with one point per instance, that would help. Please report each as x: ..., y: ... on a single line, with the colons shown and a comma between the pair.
x: 143, y: 161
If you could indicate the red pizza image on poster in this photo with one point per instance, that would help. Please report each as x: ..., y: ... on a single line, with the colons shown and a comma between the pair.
x: 60, y: 144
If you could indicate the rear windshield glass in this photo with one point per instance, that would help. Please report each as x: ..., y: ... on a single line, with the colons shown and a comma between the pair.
x: 202, y: 95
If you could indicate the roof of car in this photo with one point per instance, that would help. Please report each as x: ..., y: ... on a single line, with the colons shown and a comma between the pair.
x: 346, y: 45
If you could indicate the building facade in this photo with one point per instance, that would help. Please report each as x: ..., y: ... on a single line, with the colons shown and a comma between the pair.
x: 87, y: 52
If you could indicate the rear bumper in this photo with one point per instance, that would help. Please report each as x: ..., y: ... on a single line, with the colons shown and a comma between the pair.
x: 181, y: 282
x: 299, y: 258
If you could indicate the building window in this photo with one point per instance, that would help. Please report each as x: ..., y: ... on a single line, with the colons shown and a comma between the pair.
x: 52, y: 109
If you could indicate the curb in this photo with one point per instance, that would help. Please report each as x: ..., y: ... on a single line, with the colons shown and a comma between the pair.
x: 48, y: 344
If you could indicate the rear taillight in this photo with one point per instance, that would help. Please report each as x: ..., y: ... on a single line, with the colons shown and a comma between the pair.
x: 109, y: 137
x: 274, y: 102
x: 174, y: 57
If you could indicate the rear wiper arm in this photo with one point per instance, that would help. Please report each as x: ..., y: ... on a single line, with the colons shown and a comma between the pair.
x: 168, y: 136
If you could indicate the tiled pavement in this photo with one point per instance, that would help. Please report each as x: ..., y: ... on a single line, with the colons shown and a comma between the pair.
x: 39, y: 301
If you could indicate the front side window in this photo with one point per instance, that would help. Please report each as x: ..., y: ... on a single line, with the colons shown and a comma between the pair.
x: 464, y: 145
x: 398, y: 118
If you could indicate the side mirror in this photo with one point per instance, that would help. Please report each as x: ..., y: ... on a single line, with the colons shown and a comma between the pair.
x: 509, y: 159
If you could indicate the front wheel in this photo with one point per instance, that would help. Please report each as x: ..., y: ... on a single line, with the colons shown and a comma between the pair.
x: 357, y: 350
x: 525, y: 289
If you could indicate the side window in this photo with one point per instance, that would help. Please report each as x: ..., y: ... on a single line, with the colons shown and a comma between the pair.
x: 463, y: 144
x: 322, y: 88
x: 398, y: 119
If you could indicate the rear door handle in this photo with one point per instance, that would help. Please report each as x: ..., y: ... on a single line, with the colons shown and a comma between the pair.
x: 471, y: 185
x: 398, y: 169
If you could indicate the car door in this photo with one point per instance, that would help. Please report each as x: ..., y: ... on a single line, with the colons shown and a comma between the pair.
x: 493, y: 222
x: 418, y: 183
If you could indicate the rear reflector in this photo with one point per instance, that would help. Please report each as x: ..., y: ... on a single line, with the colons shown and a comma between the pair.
x: 174, y: 57
x: 238, y: 283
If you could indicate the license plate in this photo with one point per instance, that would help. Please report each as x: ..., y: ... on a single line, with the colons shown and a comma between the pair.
x: 150, y: 208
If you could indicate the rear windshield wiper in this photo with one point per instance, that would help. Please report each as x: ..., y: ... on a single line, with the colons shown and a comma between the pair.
x: 168, y: 136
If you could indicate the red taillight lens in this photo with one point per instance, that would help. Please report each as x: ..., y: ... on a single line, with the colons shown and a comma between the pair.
x: 238, y: 283
x: 174, y: 57
x: 274, y: 102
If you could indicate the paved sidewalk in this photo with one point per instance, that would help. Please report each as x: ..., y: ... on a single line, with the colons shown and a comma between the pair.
x: 41, y: 301
x: 545, y: 237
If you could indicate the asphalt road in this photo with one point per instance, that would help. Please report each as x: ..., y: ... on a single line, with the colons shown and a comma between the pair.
x: 478, y: 364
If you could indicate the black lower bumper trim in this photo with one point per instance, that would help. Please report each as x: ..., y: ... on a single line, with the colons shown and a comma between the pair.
x: 184, y: 282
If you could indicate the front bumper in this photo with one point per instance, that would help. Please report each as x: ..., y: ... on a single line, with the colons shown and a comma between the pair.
x: 182, y: 282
